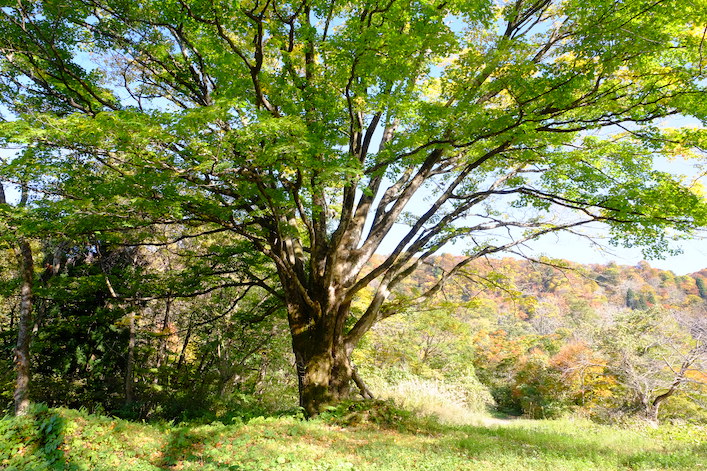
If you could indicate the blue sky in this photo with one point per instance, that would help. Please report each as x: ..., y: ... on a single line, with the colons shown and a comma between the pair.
x: 597, y: 251
x: 568, y: 247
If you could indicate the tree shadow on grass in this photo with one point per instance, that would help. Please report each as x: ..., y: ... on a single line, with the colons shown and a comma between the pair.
x: 520, y: 443
x: 36, y: 442
x: 186, y: 445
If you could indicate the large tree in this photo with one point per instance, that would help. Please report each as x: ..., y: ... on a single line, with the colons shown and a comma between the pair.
x: 316, y: 129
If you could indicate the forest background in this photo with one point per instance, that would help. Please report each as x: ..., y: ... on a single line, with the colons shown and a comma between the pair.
x: 542, y: 340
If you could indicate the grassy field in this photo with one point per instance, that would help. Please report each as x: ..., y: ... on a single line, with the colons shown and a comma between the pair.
x: 62, y: 439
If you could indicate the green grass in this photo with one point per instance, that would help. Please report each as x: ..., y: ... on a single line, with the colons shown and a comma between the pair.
x: 62, y: 439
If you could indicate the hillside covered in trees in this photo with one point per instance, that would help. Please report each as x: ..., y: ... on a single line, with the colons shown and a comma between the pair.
x: 553, y: 336
x: 533, y: 339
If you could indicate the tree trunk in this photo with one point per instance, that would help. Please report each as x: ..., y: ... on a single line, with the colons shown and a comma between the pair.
x: 363, y: 389
x: 130, y: 362
x: 653, y: 411
x: 25, y: 262
x: 183, y: 352
x: 318, y: 296
x: 262, y: 371
x: 656, y: 403
x: 324, y: 379
x: 324, y: 369
x: 322, y: 347
x: 162, y: 339
x: 24, y: 333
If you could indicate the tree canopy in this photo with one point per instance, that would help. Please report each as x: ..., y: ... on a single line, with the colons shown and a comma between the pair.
x: 307, y: 130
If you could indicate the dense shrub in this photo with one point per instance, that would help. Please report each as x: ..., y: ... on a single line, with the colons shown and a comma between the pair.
x: 34, y: 441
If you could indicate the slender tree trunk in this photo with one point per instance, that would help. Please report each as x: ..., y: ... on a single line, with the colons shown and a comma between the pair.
x: 654, y: 410
x: 363, y: 389
x: 183, y: 351
x: 677, y: 382
x: 129, y: 368
x: 24, y: 333
x: 25, y: 261
x: 658, y: 401
x: 163, y: 336
x: 262, y: 372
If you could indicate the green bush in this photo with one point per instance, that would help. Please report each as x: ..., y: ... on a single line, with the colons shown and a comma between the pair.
x: 33, y: 441
x: 680, y: 408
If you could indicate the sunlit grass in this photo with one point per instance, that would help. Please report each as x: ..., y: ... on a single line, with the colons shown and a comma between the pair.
x: 85, y: 442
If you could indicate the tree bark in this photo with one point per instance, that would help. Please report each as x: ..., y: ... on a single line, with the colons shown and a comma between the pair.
x: 183, y: 352
x: 24, y: 333
x: 162, y: 339
x: 262, y: 372
x: 688, y: 361
x: 323, y: 367
x: 324, y: 379
x: 653, y: 408
x: 363, y: 389
x: 658, y: 400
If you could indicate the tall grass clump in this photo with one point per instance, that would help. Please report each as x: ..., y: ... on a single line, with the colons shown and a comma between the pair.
x: 462, y: 400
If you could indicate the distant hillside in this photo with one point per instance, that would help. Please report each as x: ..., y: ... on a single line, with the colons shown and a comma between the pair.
x: 519, y: 286
x: 551, y: 337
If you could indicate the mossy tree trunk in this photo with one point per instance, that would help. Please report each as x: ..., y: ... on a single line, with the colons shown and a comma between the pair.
x: 322, y: 356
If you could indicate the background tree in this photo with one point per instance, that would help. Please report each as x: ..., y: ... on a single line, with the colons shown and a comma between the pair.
x: 311, y: 129
x: 22, y: 249
x: 653, y: 354
x: 701, y: 288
